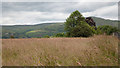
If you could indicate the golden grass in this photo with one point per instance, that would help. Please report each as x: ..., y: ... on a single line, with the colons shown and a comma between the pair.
x: 0, y: 53
x: 98, y: 50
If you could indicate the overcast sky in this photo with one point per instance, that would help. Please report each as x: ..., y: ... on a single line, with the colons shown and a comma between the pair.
x: 29, y: 13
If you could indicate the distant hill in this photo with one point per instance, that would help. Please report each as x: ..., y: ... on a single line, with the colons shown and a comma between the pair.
x: 28, y: 31
x: 40, y: 30
x: 101, y: 21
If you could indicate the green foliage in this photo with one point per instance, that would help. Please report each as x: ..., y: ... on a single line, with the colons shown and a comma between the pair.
x: 98, y: 32
x: 83, y: 30
x: 74, y: 19
x: 60, y: 35
x: 76, y: 26
x: 11, y: 36
x: 46, y: 36
x: 106, y: 29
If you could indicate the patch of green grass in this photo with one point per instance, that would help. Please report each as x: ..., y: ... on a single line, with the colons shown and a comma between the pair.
x: 33, y: 31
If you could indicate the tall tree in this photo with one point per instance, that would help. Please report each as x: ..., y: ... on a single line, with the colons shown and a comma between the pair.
x: 73, y: 20
x: 76, y: 26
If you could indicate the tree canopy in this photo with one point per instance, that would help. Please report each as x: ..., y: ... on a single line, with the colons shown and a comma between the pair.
x: 76, y: 26
x: 107, y: 29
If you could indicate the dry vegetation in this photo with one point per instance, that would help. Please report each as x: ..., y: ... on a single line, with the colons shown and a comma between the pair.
x: 0, y: 53
x: 97, y: 50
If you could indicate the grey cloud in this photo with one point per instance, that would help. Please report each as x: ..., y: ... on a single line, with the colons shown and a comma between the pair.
x: 119, y: 10
x: 36, y: 12
x: 108, y: 12
x: 60, y: 0
x: 53, y: 6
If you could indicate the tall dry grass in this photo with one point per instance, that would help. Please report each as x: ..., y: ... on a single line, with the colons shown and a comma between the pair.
x: 0, y: 53
x: 93, y: 51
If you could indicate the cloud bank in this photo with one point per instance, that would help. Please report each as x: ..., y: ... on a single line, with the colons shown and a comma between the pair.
x: 60, y: 0
x: 29, y: 13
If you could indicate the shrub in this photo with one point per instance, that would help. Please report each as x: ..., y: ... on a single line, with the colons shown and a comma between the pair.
x: 12, y: 36
x: 46, y: 36
x: 60, y: 35
x: 106, y: 29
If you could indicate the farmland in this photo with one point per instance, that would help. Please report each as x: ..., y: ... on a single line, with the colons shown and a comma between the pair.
x: 100, y: 50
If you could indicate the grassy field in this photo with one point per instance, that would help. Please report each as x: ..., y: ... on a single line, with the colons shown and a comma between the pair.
x: 93, y: 51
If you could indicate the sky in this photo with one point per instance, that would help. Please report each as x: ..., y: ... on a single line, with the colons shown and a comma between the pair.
x: 24, y: 12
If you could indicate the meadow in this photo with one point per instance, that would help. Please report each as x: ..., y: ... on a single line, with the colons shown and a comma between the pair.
x: 99, y: 50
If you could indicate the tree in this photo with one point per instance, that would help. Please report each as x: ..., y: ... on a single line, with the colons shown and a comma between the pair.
x: 76, y: 26
x: 107, y: 29
x: 74, y: 19
x: 82, y: 31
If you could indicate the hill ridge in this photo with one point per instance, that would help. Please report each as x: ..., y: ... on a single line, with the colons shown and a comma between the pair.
x: 40, y: 30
